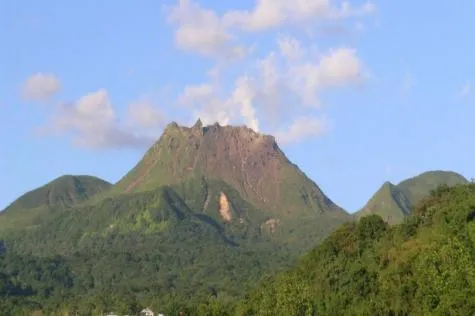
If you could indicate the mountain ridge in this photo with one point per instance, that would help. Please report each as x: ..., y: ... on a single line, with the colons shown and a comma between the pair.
x: 395, y: 202
x: 64, y: 190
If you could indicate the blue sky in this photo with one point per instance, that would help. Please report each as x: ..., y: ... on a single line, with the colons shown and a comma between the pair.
x: 356, y: 94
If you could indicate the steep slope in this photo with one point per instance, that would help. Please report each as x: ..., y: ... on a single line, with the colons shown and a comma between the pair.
x: 250, y: 162
x: 394, y: 203
x: 63, y: 191
x: 389, y: 202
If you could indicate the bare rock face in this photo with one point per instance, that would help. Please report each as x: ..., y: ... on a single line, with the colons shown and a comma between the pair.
x: 250, y: 162
x: 224, y: 208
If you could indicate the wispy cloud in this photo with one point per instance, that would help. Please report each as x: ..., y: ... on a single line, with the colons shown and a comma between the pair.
x: 301, y: 128
x: 465, y: 90
x: 40, y: 87
x: 270, y: 14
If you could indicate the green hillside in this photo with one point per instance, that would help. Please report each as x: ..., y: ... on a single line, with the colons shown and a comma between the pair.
x: 172, y: 240
x: 394, y: 202
x: 418, y: 187
x: 389, y: 202
x: 150, y: 243
x: 63, y: 191
x: 424, y: 266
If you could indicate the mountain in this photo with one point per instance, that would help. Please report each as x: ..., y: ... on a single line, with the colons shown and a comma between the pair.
x: 292, y: 207
x: 59, y: 194
x: 395, y: 202
x: 209, y: 209
x: 418, y: 187
x: 252, y: 163
x: 63, y: 191
x: 389, y: 202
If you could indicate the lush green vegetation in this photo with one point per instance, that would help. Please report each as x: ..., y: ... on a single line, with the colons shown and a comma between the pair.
x: 424, y: 266
x: 163, y: 237
x: 63, y: 191
x: 138, y: 249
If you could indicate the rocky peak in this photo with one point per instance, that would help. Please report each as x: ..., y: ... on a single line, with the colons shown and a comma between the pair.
x: 198, y: 126
x: 249, y: 161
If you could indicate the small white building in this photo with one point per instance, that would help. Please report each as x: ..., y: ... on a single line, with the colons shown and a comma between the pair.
x: 147, y: 312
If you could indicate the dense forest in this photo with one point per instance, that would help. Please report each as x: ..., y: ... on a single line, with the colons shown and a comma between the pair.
x: 424, y: 266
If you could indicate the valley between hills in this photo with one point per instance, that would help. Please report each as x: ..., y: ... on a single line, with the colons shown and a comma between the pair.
x: 215, y: 220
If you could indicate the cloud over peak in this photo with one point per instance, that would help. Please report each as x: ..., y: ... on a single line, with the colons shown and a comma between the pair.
x: 284, y: 84
x: 281, y: 81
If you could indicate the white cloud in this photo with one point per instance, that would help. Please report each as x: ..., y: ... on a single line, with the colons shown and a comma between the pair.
x: 211, y: 108
x: 215, y: 110
x: 243, y: 97
x: 92, y: 123
x: 201, y: 30
x: 206, y: 103
x: 274, y: 94
x: 347, y: 10
x: 302, y: 128
x: 338, y: 67
x: 196, y: 94
x: 144, y: 114
x: 268, y: 14
x: 466, y: 90
x: 276, y: 89
x: 263, y: 91
x: 40, y: 87
x: 290, y: 48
